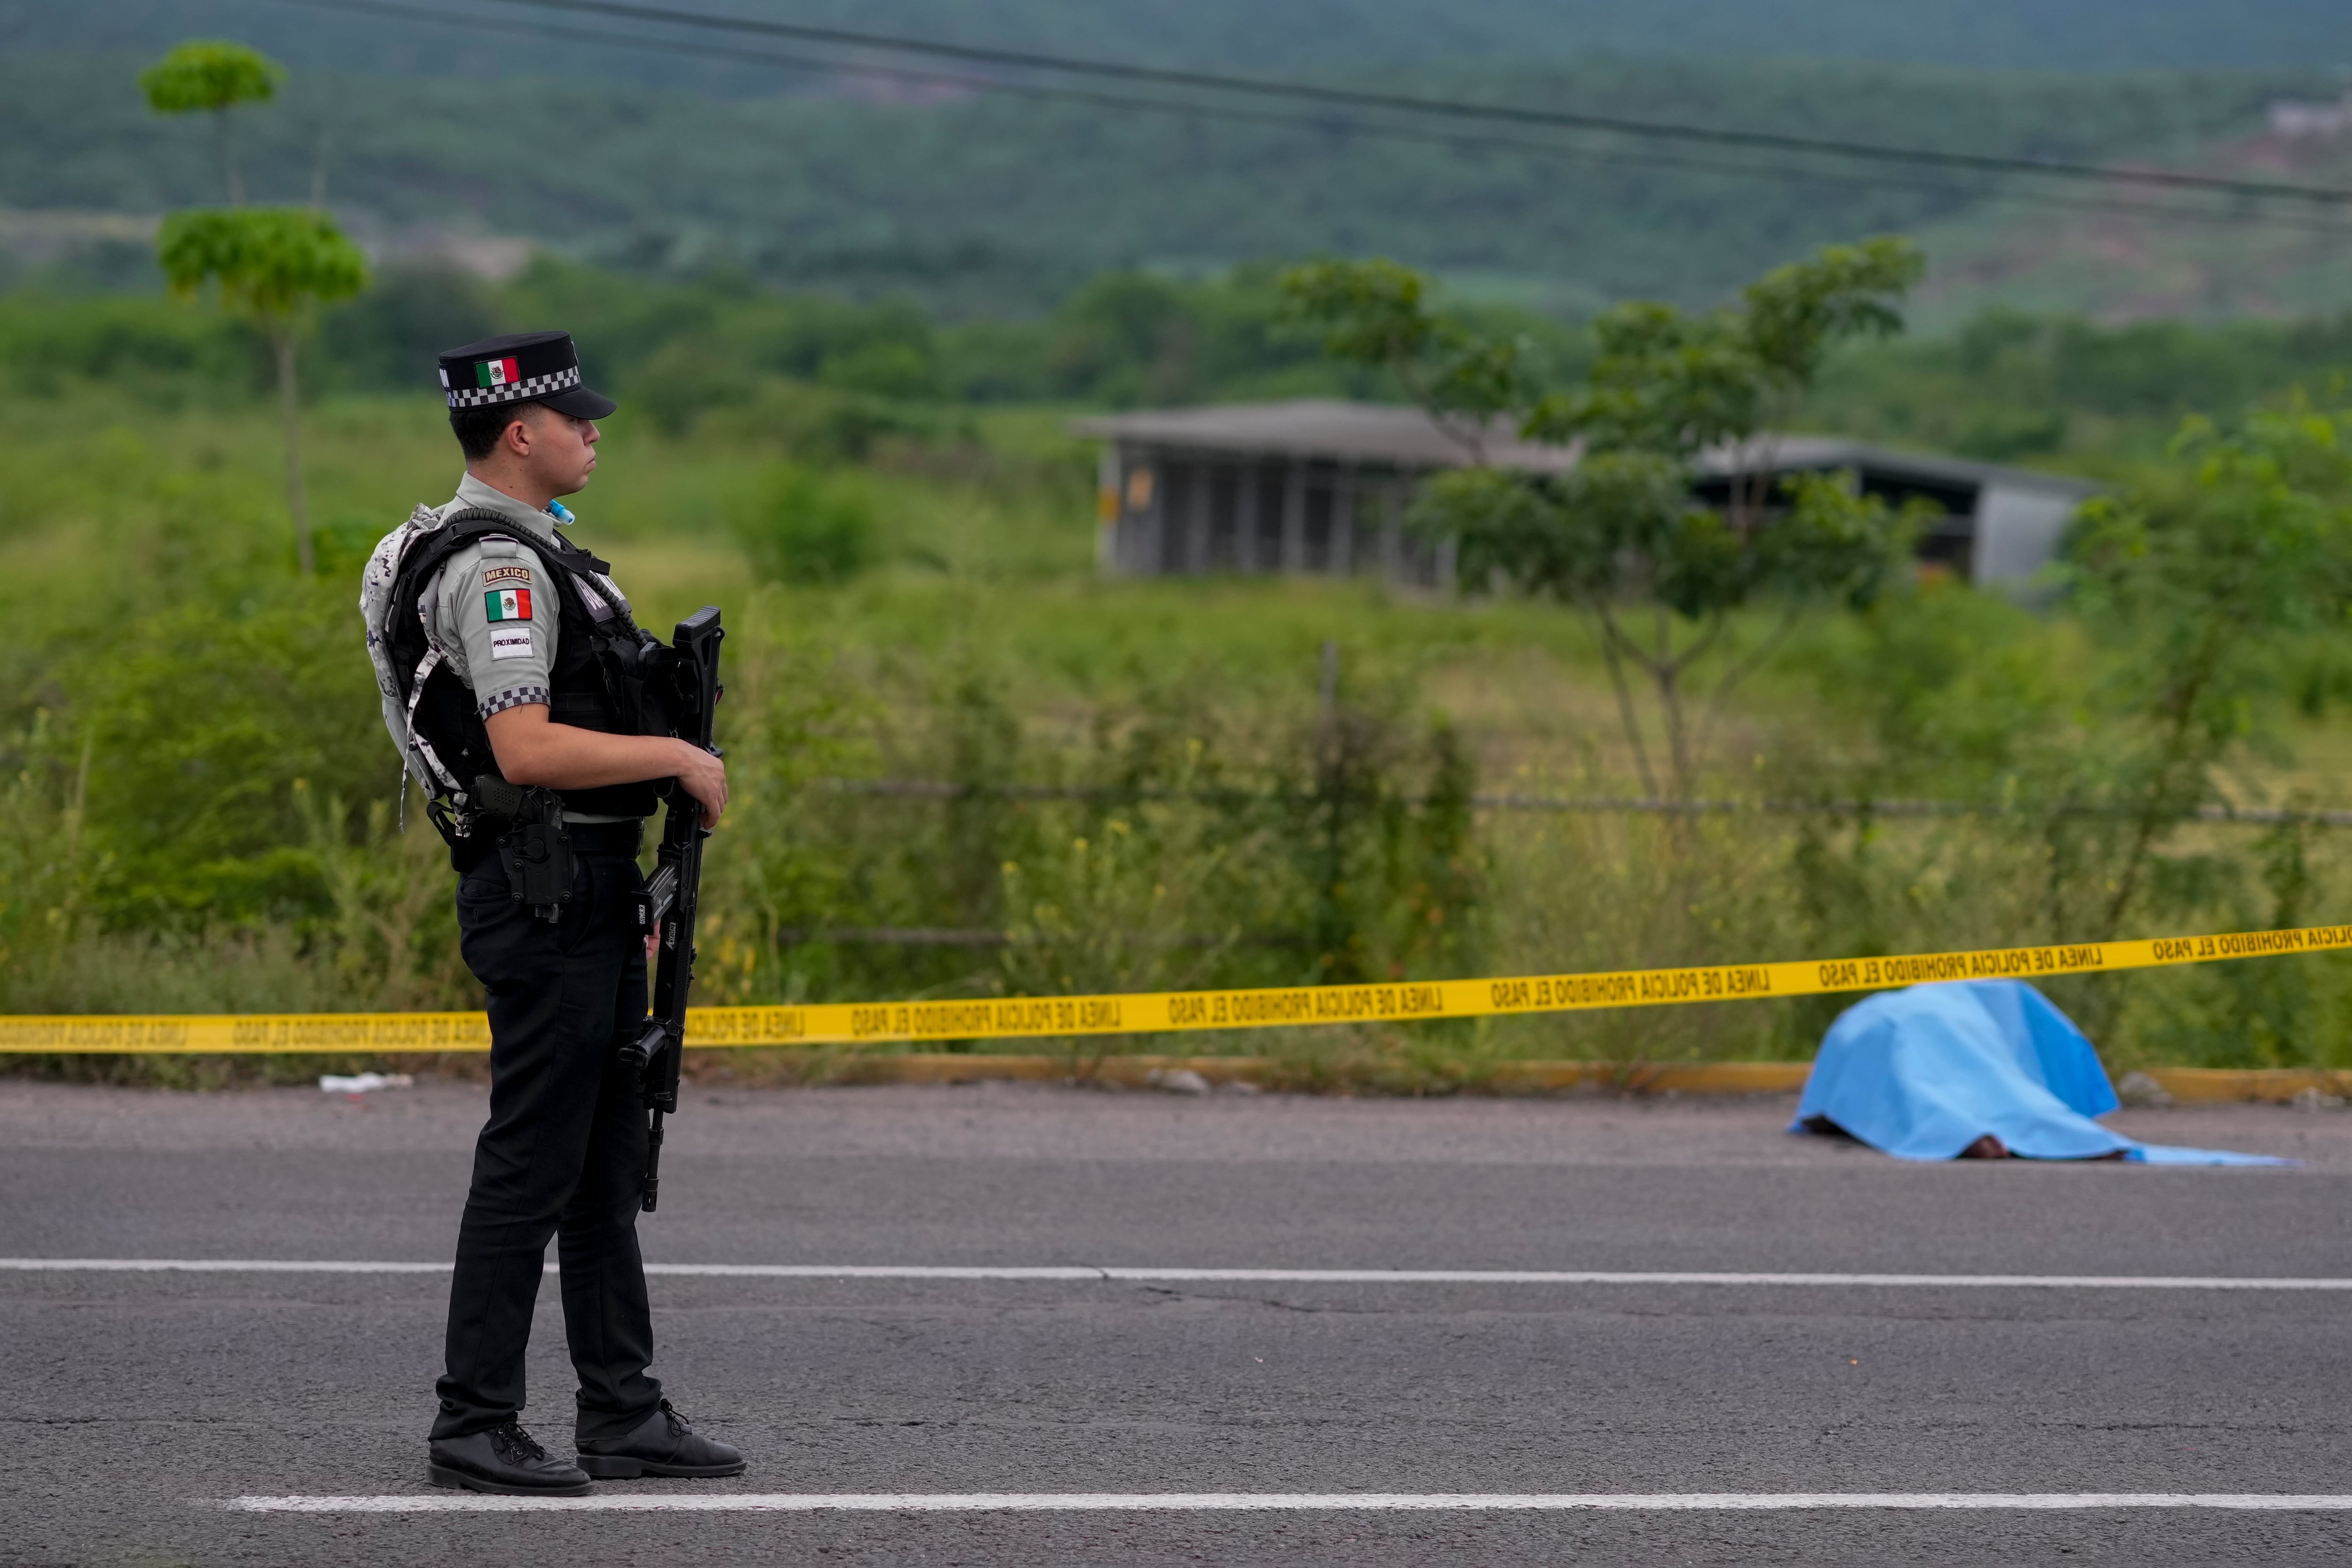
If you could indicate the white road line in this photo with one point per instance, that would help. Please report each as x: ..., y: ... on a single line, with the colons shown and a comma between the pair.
x: 1276, y: 1503
x: 1232, y: 1276
x: 211, y: 1265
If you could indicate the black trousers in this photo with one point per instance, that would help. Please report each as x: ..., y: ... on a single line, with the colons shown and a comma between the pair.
x: 564, y: 1150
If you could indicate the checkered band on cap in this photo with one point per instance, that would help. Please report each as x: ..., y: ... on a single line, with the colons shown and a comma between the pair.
x: 518, y: 367
x: 521, y: 391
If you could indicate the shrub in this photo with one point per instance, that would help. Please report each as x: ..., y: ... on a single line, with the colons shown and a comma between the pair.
x: 810, y: 527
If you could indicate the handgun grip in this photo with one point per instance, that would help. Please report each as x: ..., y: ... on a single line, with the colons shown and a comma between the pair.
x: 654, y: 898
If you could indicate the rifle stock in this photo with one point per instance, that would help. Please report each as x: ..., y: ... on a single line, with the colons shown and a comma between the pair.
x: 665, y: 908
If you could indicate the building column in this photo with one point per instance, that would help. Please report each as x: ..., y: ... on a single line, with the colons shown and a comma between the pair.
x: 1110, y: 507
x: 1293, y: 516
x: 1196, y: 522
x: 1343, y: 521
x: 1154, y: 519
x: 1246, y: 560
x: 1392, y: 505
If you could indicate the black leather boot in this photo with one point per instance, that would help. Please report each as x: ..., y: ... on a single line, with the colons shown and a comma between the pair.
x: 662, y: 1444
x: 503, y: 1459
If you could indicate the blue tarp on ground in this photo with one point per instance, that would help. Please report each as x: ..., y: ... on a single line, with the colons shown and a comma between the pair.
x: 1923, y: 1073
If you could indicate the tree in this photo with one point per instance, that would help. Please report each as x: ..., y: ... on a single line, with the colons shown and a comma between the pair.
x: 2193, y: 584
x: 1377, y: 313
x: 273, y: 265
x: 1621, y: 536
x: 213, y: 76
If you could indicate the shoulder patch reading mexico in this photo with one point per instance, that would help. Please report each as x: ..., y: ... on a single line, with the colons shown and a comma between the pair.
x: 495, y: 575
x: 514, y: 644
x: 507, y: 603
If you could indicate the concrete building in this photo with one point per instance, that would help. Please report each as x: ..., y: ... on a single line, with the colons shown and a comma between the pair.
x: 1321, y: 486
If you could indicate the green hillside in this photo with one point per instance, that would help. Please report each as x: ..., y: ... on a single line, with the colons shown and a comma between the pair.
x: 2081, y: 35
x: 2123, y: 267
x: 997, y: 204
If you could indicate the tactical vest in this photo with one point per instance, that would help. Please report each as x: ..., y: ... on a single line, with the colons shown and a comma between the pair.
x: 600, y: 681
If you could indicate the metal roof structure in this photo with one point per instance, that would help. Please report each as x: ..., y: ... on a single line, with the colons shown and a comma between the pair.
x: 1783, y: 453
x: 1329, y: 428
x: 1340, y: 431
x: 1320, y: 485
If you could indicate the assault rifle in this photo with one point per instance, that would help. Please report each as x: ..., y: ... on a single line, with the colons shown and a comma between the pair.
x: 666, y: 907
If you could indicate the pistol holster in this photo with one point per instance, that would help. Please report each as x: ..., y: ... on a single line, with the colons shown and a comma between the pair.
x: 536, y: 849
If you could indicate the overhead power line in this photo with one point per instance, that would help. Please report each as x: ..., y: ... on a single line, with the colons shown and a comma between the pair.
x: 1389, y: 130
x: 1355, y: 98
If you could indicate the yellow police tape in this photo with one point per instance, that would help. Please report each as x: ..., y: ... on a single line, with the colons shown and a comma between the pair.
x: 1162, y: 1012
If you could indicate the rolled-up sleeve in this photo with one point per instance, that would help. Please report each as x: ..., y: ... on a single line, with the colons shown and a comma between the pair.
x: 499, y: 615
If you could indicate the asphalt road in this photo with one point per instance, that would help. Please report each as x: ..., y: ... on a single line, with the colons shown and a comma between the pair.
x: 146, y: 1398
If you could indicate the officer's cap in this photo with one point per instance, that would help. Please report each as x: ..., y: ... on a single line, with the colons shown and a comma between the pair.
x: 522, y: 367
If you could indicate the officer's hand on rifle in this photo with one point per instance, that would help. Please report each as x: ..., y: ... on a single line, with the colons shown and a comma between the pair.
x: 704, y: 777
x: 531, y: 750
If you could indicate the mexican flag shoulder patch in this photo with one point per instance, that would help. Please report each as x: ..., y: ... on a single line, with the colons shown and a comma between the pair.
x: 507, y: 603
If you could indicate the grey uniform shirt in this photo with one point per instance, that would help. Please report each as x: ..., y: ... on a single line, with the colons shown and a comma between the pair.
x: 494, y: 611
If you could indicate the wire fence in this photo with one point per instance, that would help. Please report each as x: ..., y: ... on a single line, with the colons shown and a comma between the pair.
x: 2216, y: 812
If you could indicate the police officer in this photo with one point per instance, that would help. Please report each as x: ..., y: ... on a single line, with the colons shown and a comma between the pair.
x: 564, y: 1150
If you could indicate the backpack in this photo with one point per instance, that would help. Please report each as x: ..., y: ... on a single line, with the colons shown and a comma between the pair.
x: 376, y: 608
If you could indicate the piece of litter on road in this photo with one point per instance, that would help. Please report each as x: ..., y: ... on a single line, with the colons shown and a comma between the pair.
x: 1177, y: 1081
x: 2312, y: 1100
x: 2143, y: 1092
x: 362, y: 1083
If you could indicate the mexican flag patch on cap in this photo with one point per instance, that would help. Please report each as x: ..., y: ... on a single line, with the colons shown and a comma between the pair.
x: 496, y: 372
x: 507, y: 603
